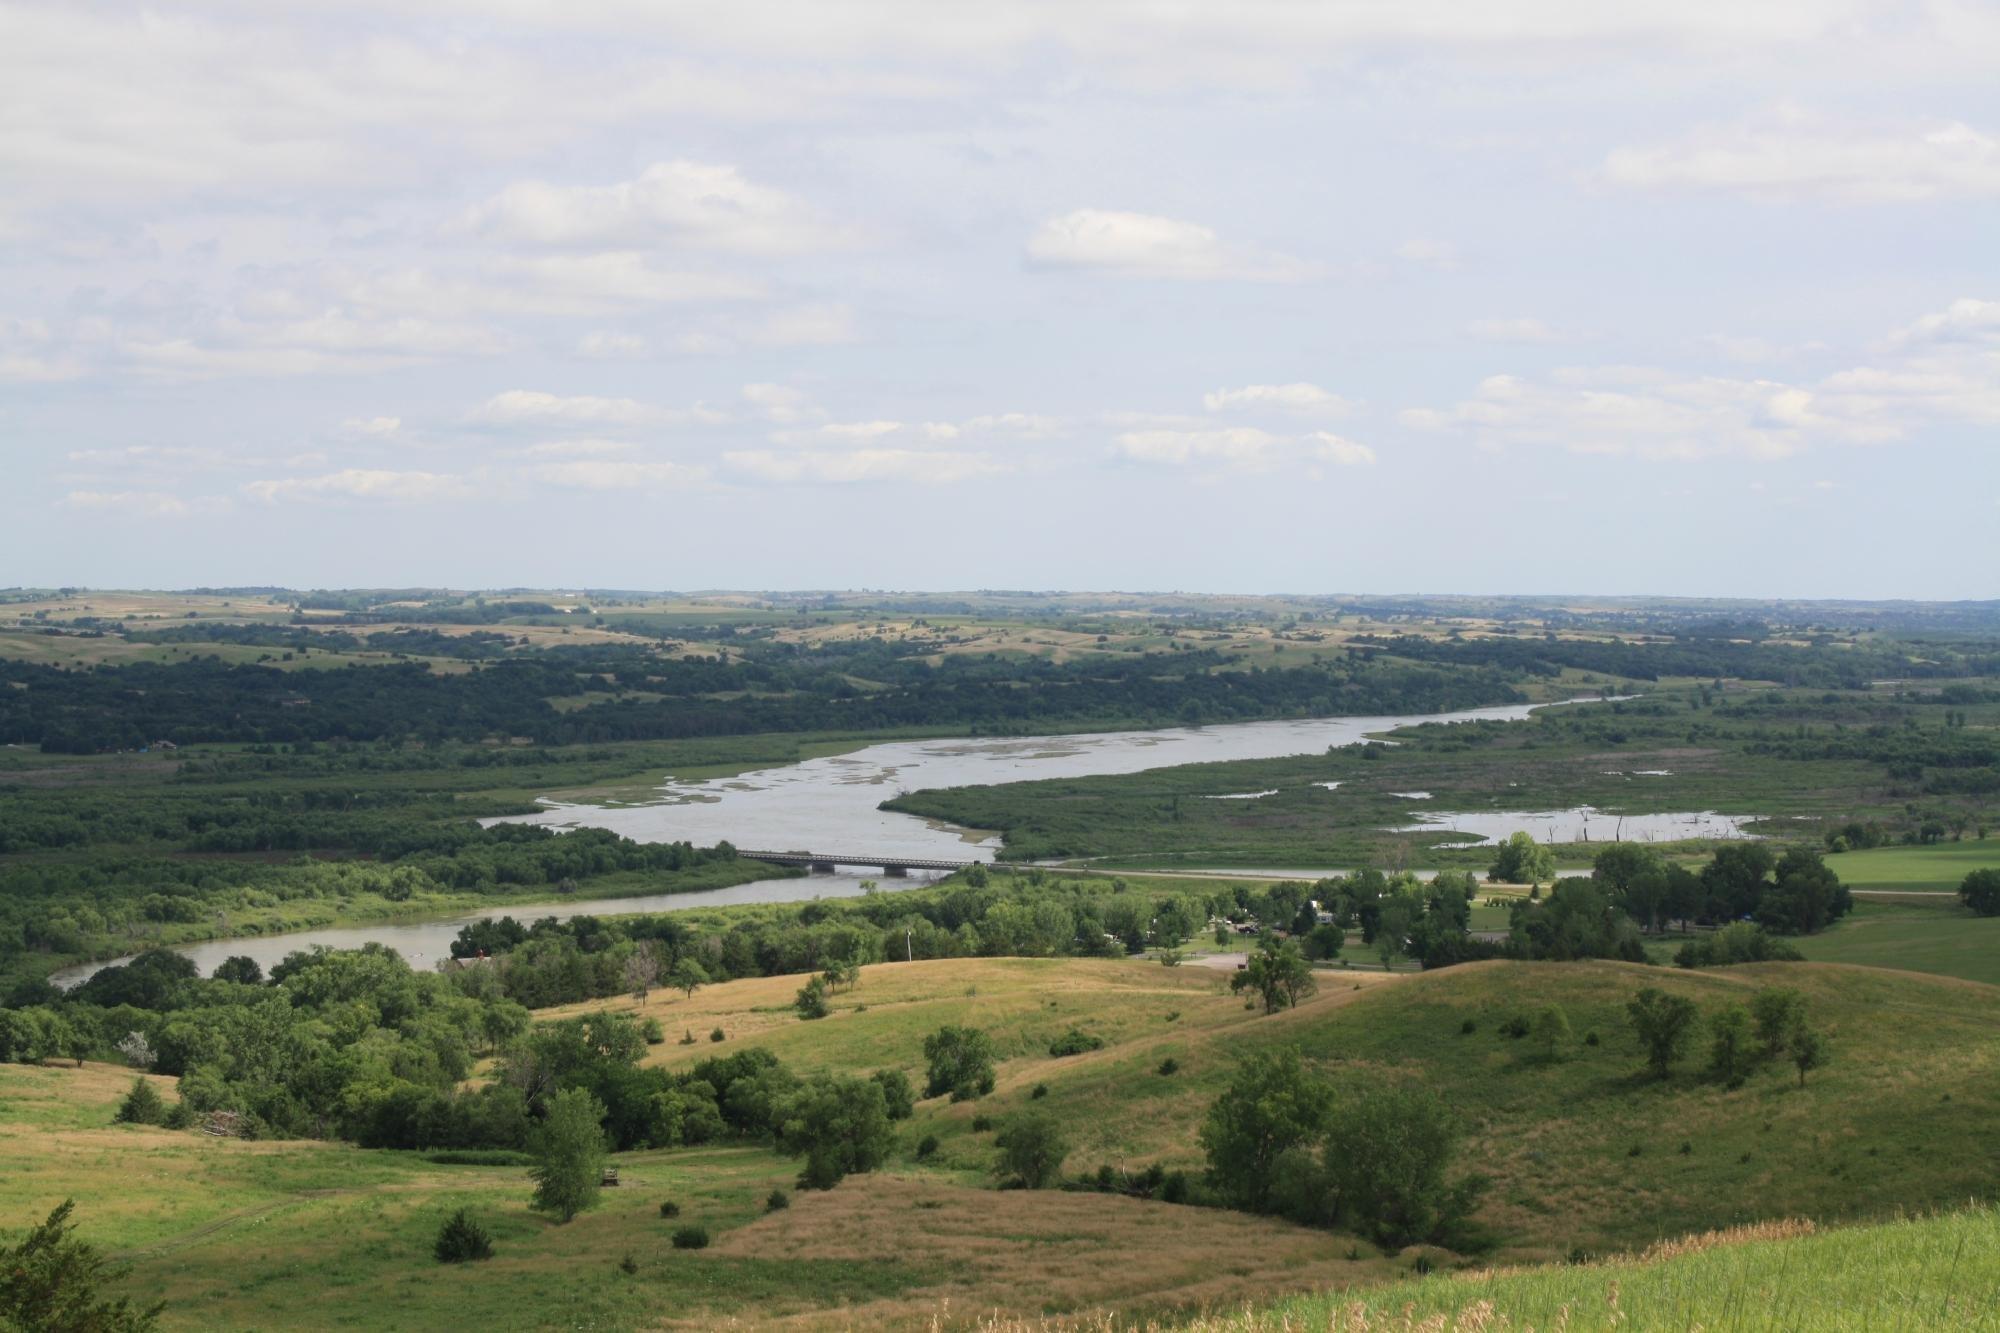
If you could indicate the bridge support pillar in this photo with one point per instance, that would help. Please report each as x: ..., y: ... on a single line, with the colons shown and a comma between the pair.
x: 896, y: 872
x: 821, y: 868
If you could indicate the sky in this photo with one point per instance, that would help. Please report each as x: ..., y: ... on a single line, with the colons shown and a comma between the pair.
x: 1664, y: 296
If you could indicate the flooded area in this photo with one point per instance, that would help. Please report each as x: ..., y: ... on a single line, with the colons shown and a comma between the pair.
x: 830, y: 804
x: 1584, y: 824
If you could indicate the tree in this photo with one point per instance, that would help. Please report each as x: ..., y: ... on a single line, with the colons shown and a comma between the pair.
x: 641, y: 972
x: 1278, y: 973
x: 1807, y: 898
x: 1272, y: 1107
x: 1729, y: 1042
x: 1522, y: 860
x: 143, y: 1105
x: 462, y: 1240
x: 1777, y: 1012
x: 138, y: 1052
x: 897, y: 1097
x: 687, y: 976
x: 1384, y: 1158
x: 839, y: 1124
x: 241, y: 969
x: 811, y: 1000
x: 960, y: 1062
x: 1552, y: 1032
x: 1664, y: 1024
x: 1808, y: 1050
x: 569, y: 1153
x: 51, y: 1281
x: 1032, y: 1149
x: 1981, y: 892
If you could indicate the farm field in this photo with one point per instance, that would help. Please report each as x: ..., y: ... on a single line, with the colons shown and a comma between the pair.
x: 1941, y: 868
x: 1942, y: 937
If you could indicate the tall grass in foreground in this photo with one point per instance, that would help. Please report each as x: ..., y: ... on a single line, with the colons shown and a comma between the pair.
x: 1897, y: 1277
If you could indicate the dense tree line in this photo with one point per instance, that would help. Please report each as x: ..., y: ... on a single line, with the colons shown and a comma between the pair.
x: 1706, y: 657
x: 126, y: 707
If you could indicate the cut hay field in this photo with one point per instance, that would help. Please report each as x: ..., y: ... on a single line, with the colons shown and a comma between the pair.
x: 231, y: 1233
x: 1941, y: 867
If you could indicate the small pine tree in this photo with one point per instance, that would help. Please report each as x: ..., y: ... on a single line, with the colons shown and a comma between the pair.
x: 462, y: 1240
x: 143, y: 1105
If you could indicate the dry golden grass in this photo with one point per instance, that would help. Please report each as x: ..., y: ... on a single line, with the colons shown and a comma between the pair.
x: 1073, y: 1252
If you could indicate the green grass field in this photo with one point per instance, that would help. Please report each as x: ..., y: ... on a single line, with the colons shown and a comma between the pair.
x: 1938, y: 868
x: 1939, y: 1273
x: 1942, y: 937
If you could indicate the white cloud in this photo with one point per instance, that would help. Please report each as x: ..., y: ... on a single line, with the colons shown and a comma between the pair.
x: 530, y: 407
x: 599, y: 474
x: 154, y: 504
x: 377, y: 426
x: 922, y: 466
x: 1430, y: 252
x: 332, y: 341
x: 574, y: 449
x: 1519, y: 330
x: 1241, y: 447
x: 824, y: 325
x: 604, y: 346
x: 1301, y: 398
x: 700, y: 204
x: 360, y: 484
x: 780, y: 403
x: 1793, y: 155
x: 1145, y: 246
x: 1967, y: 320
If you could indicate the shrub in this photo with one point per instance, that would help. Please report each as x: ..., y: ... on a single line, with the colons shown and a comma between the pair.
x: 479, y: 1157
x: 1467, y: 1028
x: 653, y: 1032
x: 811, y: 1000
x: 1169, y: 1067
x: 715, y: 1034
x: 1032, y: 1149
x: 981, y: 1123
x: 1039, y: 1091
x: 687, y: 1037
x: 691, y: 1237
x: 462, y: 1240
x: 1174, y: 1189
x: 927, y: 1147
x: 179, y: 1116
x: 897, y: 1098
x: 776, y: 1201
x: 1075, y: 1042
x: 1980, y: 891
x: 960, y: 1062
x: 1515, y: 1027
x: 668, y: 1208
x: 143, y: 1105
x: 628, y: 1264
x: 1590, y: 1038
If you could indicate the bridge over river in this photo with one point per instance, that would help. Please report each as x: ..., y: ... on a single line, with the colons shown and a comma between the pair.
x: 826, y: 863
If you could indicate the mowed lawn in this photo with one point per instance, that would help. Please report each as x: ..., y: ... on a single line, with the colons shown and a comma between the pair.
x: 1941, y: 867
x: 1942, y: 938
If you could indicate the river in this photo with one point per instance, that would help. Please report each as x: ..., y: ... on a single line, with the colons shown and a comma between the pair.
x: 829, y: 805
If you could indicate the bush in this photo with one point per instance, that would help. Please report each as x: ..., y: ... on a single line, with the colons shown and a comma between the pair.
x: 776, y: 1201
x: 1032, y: 1149
x: 960, y: 1062
x: 143, y: 1105
x: 897, y: 1098
x: 1174, y: 1189
x: 1169, y: 1067
x: 811, y: 1000
x: 653, y: 1032
x: 462, y: 1240
x: 691, y: 1237
x: 1516, y: 1027
x: 1739, y: 942
x: 1467, y: 1028
x: 1075, y: 1042
x: 179, y: 1116
x: 687, y: 1036
x: 1039, y: 1091
x: 715, y: 1034
x: 982, y: 1123
x: 1980, y: 891
x: 927, y: 1147
x: 668, y: 1208
x: 479, y: 1157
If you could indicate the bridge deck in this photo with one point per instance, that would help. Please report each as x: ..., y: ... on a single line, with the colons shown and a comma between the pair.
x: 844, y: 859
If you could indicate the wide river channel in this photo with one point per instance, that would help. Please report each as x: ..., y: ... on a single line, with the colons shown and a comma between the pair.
x: 829, y: 805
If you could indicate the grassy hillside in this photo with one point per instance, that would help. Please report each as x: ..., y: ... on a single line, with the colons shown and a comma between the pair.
x: 1914, y: 1060
x: 231, y: 1233
x: 1913, y: 1274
